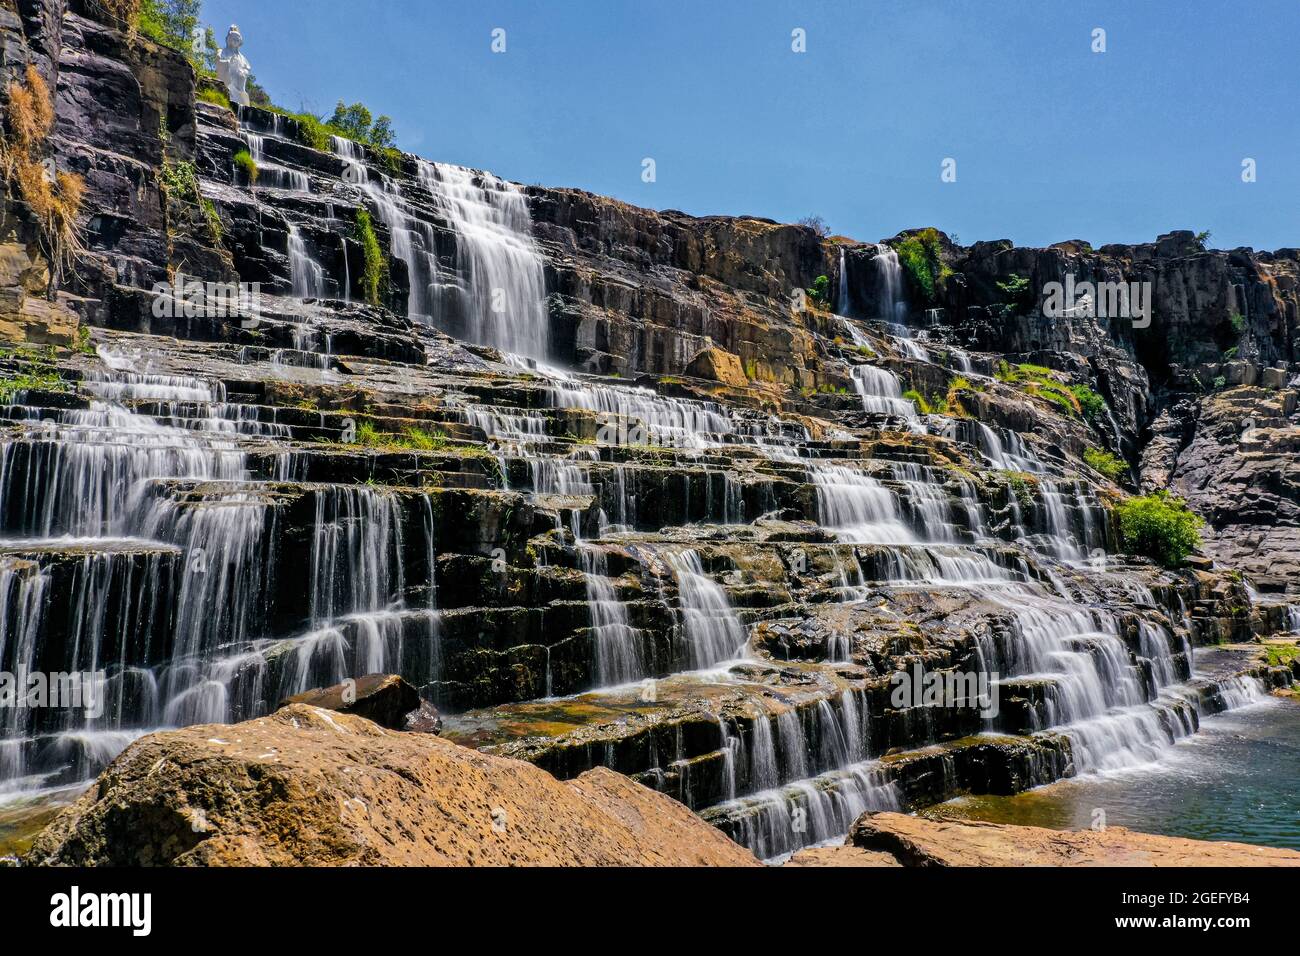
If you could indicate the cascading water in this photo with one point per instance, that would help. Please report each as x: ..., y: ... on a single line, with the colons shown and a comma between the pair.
x: 495, y: 294
x: 308, y: 275
x: 136, y: 517
x: 498, y: 279
x: 712, y: 631
x: 160, y: 494
x: 889, y: 285
x: 881, y: 392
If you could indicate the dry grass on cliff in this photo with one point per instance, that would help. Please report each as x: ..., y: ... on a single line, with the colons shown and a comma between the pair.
x: 128, y: 11
x: 54, y: 198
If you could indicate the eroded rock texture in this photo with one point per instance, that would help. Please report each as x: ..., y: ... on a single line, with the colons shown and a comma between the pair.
x: 307, y: 787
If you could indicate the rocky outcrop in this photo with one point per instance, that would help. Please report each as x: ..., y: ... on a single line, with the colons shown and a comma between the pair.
x: 916, y: 841
x: 309, y: 787
x: 1235, y: 456
x: 384, y: 698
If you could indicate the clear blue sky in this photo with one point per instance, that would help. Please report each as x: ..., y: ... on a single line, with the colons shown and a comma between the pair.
x: 1052, y: 141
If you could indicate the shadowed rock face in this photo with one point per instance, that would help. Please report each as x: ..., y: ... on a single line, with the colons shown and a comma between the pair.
x: 309, y: 787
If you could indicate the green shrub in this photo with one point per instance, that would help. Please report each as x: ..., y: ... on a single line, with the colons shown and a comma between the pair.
x: 920, y: 257
x: 1041, y: 382
x: 168, y: 22
x: 912, y: 395
x: 1091, y: 404
x: 312, y: 132
x: 392, y: 158
x: 1159, y: 526
x: 83, y: 344
x: 354, y: 122
x: 820, y: 291
x: 1017, y: 292
x: 1112, y: 466
x: 244, y: 160
x: 1021, y: 485
x: 1238, y: 322
x: 1230, y: 353
x: 350, y: 122
x: 375, y: 266
x: 934, y: 405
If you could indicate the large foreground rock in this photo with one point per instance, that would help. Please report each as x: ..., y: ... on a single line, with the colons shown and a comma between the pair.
x: 307, y: 786
x: 916, y: 841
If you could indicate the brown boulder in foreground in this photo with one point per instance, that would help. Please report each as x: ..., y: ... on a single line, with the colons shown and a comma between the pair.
x: 916, y: 841
x: 307, y: 786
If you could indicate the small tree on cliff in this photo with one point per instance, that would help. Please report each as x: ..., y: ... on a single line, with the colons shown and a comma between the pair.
x: 354, y: 122
x: 1159, y: 526
x: 817, y: 224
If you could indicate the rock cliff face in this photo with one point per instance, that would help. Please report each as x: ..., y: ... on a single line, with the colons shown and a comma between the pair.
x: 611, y: 487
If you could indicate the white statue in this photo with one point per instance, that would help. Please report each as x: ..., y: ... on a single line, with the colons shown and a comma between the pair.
x: 232, y: 68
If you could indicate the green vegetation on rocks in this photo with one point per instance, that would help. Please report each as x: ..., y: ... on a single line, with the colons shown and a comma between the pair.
x: 1017, y: 290
x: 1042, y: 382
x: 39, y: 375
x: 1159, y: 526
x: 413, y: 439
x: 934, y: 405
x: 374, y: 269
x: 1091, y: 404
x: 919, y: 255
x: 244, y: 160
x: 215, y: 97
x: 1110, y: 465
x: 180, y: 181
x: 819, y: 292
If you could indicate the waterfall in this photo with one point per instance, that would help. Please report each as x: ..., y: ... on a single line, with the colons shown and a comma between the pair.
x: 495, y: 291
x: 857, y: 507
x: 616, y: 644
x: 889, y: 285
x: 274, y: 175
x: 163, y: 549
x: 498, y: 279
x: 308, y: 276
x: 881, y: 392
x: 713, y: 632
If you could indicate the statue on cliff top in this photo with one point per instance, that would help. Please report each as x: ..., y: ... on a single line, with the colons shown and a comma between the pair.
x: 233, y: 69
